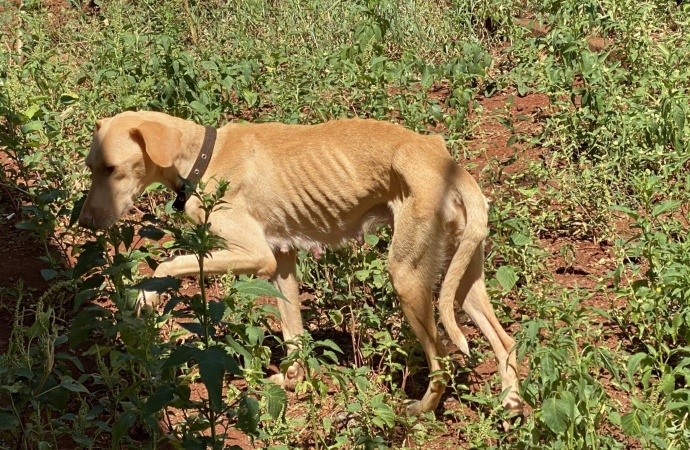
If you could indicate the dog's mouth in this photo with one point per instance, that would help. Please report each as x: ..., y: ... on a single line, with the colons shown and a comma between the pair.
x: 99, y: 219
x: 113, y: 219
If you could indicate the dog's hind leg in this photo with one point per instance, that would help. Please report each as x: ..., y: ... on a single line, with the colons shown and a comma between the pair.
x: 475, y: 302
x: 285, y: 279
x: 413, y: 264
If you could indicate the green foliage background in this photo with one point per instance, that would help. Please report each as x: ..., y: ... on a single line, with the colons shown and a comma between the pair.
x: 606, y: 365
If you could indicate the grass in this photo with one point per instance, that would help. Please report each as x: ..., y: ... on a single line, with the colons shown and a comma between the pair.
x: 586, y: 262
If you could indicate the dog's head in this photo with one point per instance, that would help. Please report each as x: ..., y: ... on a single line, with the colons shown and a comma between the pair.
x: 128, y: 152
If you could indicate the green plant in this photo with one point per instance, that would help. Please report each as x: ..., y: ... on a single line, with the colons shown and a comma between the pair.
x: 597, y: 174
x: 36, y: 381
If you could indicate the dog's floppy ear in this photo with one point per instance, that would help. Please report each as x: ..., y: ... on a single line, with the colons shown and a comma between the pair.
x: 161, y: 142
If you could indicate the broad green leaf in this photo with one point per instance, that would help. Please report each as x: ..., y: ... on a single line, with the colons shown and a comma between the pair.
x: 257, y: 287
x: 158, y: 284
x: 427, y: 77
x: 84, y: 441
x: 181, y: 355
x: 65, y: 357
x: 436, y: 112
x: 614, y: 418
x: 331, y: 355
x: 26, y: 225
x: 630, y: 423
x: 507, y: 277
x: 362, y: 274
x: 90, y: 258
x: 127, y: 236
x: 667, y: 383
x: 151, y: 232
x: 199, y: 107
x: 34, y: 125
x: 248, y: 415
x: 385, y: 414
x: 238, y: 347
x: 216, y: 311
x: 625, y: 209
x: 76, y: 210
x: 371, y: 239
x: 193, y: 327
x: 68, y: 98
x: 120, y: 427
x: 336, y: 316
x: 276, y: 400
x: 40, y: 326
x: 209, y: 65
x: 8, y: 421
x: 634, y: 363
x: 23, y: 372
x: 555, y: 414
x: 227, y: 83
x: 231, y: 365
x: 663, y: 49
x: 520, y: 240
x: 327, y: 424
x: 255, y: 334
x: 170, y: 305
x: 73, y: 385
x: 330, y: 344
x: 212, y: 371
x: 671, y: 406
x: 86, y: 320
x: 158, y: 400
x: 679, y: 118
x: 249, y: 96
x: 353, y: 407
x: 660, y: 442
x: 154, y: 187
x: 31, y: 111
x: 665, y: 206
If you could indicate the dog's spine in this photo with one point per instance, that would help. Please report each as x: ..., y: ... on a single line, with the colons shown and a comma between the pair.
x: 472, y: 238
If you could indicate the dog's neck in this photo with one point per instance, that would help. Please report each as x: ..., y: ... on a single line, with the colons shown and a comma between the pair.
x: 198, y: 169
x: 192, y: 141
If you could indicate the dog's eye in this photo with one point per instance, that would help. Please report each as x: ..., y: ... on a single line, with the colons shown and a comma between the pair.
x: 109, y: 170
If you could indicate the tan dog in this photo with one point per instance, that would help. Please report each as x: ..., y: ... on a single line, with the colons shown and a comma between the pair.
x: 303, y: 187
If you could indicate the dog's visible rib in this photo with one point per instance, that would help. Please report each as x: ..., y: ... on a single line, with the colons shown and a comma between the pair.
x: 296, y: 187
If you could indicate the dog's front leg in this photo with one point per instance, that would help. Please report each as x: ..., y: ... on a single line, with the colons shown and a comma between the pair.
x: 240, y: 259
x: 246, y: 259
x: 285, y: 279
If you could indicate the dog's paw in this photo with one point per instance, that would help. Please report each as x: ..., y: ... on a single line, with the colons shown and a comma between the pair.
x: 290, y: 379
x: 146, y: 302
x: 278, y: 379
x: 415, y: 408
x: 513, y: 404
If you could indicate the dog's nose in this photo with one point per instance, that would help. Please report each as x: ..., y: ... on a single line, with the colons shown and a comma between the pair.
x: 86, y: 221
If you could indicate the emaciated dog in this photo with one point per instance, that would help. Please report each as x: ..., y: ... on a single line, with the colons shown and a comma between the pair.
x: 298, y: 187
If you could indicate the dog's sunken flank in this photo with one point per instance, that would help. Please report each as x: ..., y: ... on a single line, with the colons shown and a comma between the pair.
x: 298, y: 187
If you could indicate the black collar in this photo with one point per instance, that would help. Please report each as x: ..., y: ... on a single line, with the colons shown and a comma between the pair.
x: 198, y: 169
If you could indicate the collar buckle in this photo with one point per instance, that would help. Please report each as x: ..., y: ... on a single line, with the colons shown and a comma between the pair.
x: 198, y: 169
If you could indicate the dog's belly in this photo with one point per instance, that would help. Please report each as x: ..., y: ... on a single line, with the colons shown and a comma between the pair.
x: 316, y: 211
x: 316, y: 226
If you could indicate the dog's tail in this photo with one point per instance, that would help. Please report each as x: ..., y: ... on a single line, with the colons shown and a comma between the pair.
x: 476, y: 222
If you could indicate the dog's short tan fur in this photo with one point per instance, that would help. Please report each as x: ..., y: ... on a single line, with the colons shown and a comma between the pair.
x: 303, y: 187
